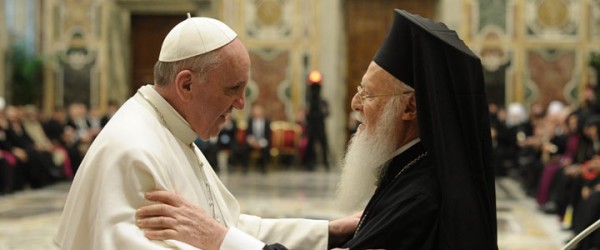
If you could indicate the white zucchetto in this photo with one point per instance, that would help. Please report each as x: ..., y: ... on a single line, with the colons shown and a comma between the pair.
x: 195, y: 36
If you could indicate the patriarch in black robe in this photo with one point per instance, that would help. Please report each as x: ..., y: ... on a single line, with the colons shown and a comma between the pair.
x: 425, y: 145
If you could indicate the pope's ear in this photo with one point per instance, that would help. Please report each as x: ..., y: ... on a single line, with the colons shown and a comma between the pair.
x: 183, y: 84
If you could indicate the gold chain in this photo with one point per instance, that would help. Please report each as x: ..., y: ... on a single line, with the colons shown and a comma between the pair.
x: 410, y: 165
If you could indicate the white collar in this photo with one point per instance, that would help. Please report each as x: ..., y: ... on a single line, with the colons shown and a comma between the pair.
x: 406, y: 146
x: 167, y: 115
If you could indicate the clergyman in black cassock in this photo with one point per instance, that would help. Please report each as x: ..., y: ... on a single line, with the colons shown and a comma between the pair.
x: 402, y: 220
x: 446, y: 199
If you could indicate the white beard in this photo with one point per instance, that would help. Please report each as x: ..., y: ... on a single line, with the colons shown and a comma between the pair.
x: 365, y: 158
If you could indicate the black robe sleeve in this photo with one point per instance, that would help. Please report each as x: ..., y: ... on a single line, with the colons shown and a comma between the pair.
x: 275, y: 246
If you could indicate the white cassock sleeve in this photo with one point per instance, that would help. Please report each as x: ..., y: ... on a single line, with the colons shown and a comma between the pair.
x: 296, y: 234
x: 236, y: 239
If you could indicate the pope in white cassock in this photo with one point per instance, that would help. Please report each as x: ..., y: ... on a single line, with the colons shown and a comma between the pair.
x: 148, y: 145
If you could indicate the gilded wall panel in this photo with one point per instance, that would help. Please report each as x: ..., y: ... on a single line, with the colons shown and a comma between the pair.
x: 552, y: 19
x: 80, y: 14
x: 547, y: 56
x: 76, y: 39
x: 269, y: 86
x: 550, y: 74
x: 281, y: 38
x: 492, y: 19
x: 497, y: 72
x: 594, y: 21
x: 492, y: 33
x: 92, y: 40
x: 306, y: 20
x: 269, y: 19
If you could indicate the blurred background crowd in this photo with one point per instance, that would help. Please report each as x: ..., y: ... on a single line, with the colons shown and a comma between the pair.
x: 38, y: 150
x: 554, y: 152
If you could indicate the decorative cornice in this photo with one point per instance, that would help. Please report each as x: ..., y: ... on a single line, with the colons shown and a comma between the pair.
x: 161, y: 6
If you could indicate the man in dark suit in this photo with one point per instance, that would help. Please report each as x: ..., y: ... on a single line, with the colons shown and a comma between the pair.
x: 258, y: 138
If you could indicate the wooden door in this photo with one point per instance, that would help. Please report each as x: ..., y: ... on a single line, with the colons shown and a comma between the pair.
x: 147, y: 35
x: 367, y: 23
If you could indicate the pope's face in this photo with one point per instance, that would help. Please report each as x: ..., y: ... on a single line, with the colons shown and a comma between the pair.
x: 222, y: 91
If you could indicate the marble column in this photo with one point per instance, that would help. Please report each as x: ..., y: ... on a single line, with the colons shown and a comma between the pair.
x: 332, y: 60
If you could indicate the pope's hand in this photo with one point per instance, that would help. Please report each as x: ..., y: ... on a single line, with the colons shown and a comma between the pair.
x: 341, y: 230
x: 177, y: 219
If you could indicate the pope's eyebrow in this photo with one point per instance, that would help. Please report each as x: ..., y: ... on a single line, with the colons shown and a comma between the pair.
x: 233, y: 89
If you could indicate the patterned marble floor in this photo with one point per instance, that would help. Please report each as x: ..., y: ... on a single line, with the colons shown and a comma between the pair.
x: 28, y: 219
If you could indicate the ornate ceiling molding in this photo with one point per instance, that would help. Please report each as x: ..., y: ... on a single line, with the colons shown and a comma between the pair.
x: 161, y: 6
